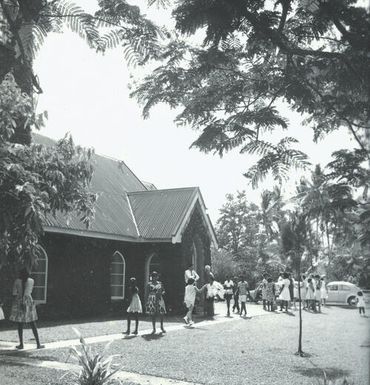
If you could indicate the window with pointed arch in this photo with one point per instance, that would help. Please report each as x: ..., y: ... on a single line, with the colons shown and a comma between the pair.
x: 39, y: 273
x: 117, y: 276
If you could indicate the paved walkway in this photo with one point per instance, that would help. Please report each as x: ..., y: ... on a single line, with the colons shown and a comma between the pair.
x: 253, y: 311
x: 9, y: 356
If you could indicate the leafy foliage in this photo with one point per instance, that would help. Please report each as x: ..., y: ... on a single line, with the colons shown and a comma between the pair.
x: 312, y: 55
x: 36, y: 181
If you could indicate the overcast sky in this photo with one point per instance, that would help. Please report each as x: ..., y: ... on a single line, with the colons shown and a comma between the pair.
x: 86, y: 94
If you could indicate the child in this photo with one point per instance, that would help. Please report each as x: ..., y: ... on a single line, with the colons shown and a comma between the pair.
x: 236, y: 297
x: 135, y: 306
x: 310, y: 295
x: 243, y: 289
x: 189, y: 299
x: 361, y: 302
x: 270, y: 294
x: 228, y: 286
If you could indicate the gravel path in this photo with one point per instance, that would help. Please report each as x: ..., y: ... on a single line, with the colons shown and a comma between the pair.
x: 249, y: 351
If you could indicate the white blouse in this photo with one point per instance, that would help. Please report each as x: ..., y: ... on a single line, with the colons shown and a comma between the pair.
x: 18, y: 287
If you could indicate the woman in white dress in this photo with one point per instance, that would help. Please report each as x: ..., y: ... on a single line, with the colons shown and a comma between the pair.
x: 310, y: 294
x: 135, y: 308
x: 284, y: 296
x: 23, y: 308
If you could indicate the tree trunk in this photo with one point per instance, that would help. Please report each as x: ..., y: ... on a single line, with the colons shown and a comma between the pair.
x: 300, y: 351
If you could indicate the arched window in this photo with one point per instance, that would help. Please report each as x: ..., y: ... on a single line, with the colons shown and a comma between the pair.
x: 117, y: 276
x: 39, y: 273
x: 152, y: 264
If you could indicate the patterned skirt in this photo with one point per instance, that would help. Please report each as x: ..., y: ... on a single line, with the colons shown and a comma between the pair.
x: 23, y: 311
x: 155, y: 305
x: 135, y: 305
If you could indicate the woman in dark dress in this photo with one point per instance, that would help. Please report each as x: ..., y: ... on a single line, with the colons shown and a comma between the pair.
x: 155, y: 305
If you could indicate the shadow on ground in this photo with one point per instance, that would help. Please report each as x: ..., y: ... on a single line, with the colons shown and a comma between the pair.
x: 331, y: 373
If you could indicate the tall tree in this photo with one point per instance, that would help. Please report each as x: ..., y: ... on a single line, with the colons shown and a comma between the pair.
x: 26, y: 24
x: 310, y: 54
x: 293, y: 241
x: 36, y: 181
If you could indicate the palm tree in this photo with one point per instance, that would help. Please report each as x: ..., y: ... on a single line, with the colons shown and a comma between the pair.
x: 271, y: 211
x: 324, y: 203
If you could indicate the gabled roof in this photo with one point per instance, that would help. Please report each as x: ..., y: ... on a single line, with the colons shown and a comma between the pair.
x: 127, y: 210
x: 159, y: 212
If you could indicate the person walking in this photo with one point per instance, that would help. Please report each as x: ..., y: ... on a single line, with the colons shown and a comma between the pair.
x: 243, y: 289
x: 191, y: 292
x: 23, y: 308
x: 236, y: 296
x: 228, y: 293
x: 135, y: 307
x: 155, y: 305
x: 284, y: 296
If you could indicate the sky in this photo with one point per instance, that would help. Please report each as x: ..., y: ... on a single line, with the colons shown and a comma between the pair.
x: 87, y: 94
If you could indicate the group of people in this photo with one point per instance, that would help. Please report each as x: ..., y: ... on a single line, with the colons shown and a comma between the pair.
x: 285, y: 290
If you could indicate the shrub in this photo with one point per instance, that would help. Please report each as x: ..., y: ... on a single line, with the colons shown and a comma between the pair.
x: 94, y: 368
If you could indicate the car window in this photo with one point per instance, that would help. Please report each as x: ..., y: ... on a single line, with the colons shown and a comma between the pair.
x: 332, y: 287
x: 344, y: 288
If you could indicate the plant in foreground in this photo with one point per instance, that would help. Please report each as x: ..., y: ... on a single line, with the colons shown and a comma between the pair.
x: 94, y: 368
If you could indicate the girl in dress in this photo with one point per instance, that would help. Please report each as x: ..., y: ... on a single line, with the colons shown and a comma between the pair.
x: 23, y: 308
x: 284, y: 296
x: 155, y: 305
x: 361, y: 302
x: 228, y: 294
x: 134, y: 308
x: 310, y: 295
x: 189, y: 299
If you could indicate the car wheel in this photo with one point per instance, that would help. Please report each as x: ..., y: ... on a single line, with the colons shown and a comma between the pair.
x: 351, y: 301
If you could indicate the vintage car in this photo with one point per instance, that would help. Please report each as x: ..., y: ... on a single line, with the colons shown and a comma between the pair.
x: 342, y: 293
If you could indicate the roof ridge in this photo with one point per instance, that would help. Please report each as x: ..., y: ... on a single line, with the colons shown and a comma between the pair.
x: 161, y: 190
x: 96, y: 154
x: 132, y: 215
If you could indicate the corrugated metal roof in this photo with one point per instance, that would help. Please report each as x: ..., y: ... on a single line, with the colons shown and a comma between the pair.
x: 158, y: 213
x: 111, y: 180
x: 125, y: 208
